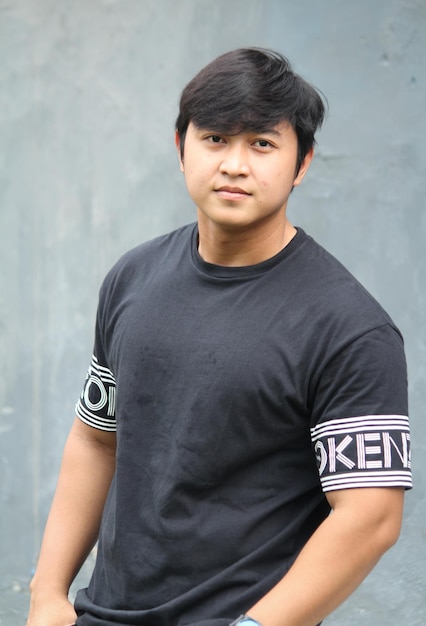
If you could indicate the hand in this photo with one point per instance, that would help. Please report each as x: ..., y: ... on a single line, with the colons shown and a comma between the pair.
x: 58, y: 612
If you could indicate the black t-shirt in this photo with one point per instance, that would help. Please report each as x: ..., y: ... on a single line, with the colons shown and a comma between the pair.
x: 239, y: 395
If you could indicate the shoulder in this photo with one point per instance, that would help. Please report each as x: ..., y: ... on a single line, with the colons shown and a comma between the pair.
x: 337, y: 294
x: 152, y: 250
x: 148, y: 256
x: 333, y: 316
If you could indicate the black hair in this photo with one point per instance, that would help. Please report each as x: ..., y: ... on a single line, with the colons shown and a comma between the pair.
x: 251, y: 89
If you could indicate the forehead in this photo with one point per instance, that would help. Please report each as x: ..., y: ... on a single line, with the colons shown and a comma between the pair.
x: 282, y: 128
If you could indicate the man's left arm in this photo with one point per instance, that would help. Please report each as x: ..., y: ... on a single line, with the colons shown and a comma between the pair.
x: 363, y: 525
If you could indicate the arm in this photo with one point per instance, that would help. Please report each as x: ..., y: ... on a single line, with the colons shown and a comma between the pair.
x: 364, y: 523
x: 72, y: 527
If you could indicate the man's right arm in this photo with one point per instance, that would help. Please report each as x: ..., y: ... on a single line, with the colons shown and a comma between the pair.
x: 73, y: 524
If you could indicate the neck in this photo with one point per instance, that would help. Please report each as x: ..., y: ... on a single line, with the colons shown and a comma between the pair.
x: 237, y: 249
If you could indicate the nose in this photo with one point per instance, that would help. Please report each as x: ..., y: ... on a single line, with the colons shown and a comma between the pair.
x: 235, y: 161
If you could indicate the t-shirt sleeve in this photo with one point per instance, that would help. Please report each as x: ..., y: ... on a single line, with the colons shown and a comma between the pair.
x: 96, y: 405
x: 360, y: 428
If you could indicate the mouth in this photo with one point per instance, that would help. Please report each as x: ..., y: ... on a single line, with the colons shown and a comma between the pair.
x: 232, y: 193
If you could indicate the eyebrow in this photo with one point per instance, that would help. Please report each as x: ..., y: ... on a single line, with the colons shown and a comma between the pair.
x: 260, y: 131
x: 268, y: 131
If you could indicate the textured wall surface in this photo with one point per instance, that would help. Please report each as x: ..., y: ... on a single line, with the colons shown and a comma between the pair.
x: 88, y: 98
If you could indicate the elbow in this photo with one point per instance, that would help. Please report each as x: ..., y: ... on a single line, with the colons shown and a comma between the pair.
x: 387, y: 528
x: 373, y: 516
x: 389, y: 532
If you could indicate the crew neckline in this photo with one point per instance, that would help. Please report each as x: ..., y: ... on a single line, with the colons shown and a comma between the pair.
x: 243, y: 271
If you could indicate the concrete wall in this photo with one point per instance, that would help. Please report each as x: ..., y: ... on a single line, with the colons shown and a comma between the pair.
x: 88, y: 98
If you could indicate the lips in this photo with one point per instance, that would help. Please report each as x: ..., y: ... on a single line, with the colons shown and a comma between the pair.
x: 233, y: 190
x: 232, y: 194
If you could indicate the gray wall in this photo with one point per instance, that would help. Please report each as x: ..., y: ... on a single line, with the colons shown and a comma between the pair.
x: 88, y: 98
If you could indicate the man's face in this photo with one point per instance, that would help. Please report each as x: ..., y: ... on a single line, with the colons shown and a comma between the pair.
x: 241, y: 181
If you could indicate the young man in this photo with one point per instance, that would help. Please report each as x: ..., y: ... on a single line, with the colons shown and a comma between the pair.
x: 243, y: 385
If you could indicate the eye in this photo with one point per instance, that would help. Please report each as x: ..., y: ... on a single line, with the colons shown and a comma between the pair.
x: 262, y: 143
x: 215, y: 139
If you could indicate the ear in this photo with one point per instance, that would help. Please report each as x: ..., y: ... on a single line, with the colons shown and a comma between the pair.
x: 304, y: 167
x: 177, y: 144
